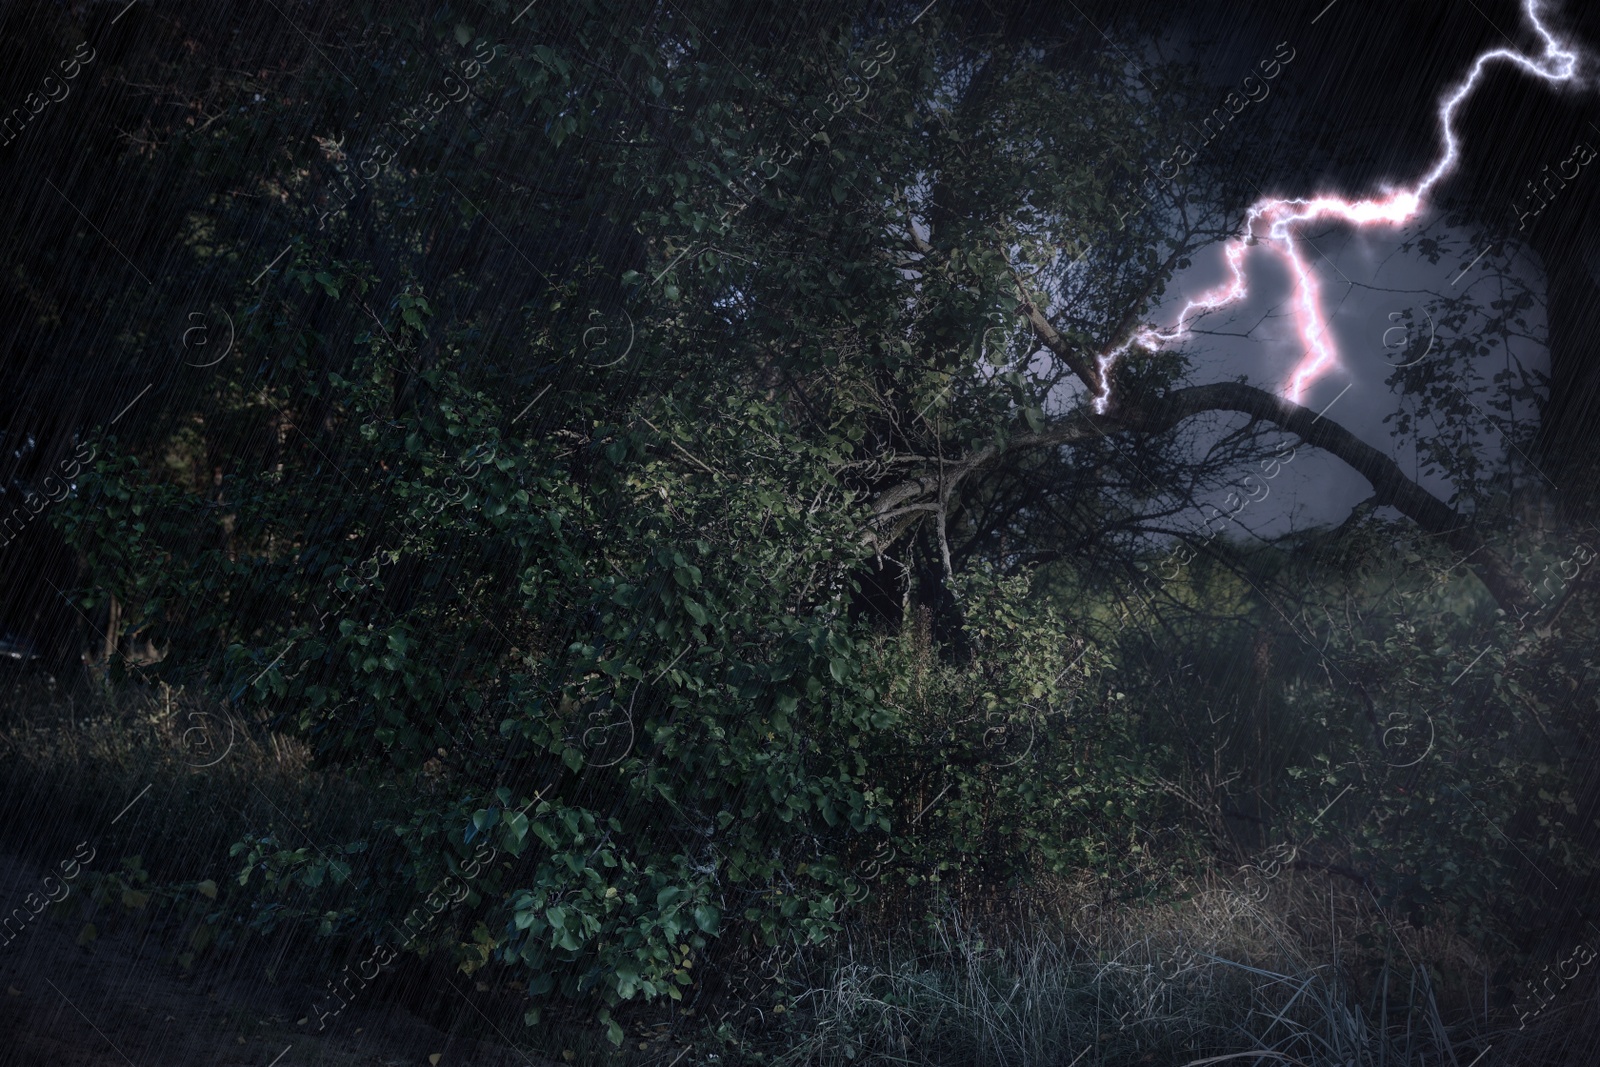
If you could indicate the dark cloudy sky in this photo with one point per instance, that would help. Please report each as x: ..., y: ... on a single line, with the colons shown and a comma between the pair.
x: 1368, y: 282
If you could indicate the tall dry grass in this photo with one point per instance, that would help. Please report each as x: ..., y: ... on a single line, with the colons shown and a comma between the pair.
x: 74, y: 756
x: 1303, y: 968
x: 1309, y: 971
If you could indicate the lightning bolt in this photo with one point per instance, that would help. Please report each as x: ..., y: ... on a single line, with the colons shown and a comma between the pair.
x: 1270, y: 225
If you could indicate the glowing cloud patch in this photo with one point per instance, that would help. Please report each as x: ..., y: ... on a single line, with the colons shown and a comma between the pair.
x: 1269, y: 225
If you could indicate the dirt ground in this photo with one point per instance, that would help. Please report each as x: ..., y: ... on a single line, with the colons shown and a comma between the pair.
x: 117, y: 1003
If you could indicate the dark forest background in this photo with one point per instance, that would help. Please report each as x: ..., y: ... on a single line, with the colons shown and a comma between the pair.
x: 598, y: 501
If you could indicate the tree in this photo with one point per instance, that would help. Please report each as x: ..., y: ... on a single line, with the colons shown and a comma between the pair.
x: 566, y: 436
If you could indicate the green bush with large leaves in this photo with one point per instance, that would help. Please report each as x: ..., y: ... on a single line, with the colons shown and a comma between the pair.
x: 540, y: 497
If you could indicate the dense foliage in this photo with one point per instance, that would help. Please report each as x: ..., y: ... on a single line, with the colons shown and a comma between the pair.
x: 540, y: 493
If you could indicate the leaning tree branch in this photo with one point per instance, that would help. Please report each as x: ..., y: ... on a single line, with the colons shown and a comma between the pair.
x: 892, y: 513
x: 1086, y: 371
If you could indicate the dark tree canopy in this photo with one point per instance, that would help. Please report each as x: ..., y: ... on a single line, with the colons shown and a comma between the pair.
x: 656, y: 439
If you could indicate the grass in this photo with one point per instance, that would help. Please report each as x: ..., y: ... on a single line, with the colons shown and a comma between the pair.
x: 77, y: 755
x: 1216, y: 977
x: 1307, y: 970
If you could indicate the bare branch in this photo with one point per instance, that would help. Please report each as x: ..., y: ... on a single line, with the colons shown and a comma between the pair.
x: 1086, y: 371
x: 1389, y: 483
